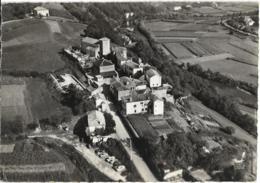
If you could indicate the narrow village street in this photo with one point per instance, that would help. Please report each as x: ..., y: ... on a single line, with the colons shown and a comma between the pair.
x: 122, y: 135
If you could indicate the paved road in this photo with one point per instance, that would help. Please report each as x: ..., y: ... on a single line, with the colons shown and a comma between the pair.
x: 122, y: 134
x: 89, y: 155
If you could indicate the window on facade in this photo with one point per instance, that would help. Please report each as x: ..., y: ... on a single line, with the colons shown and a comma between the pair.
x: 135, y: 111
x: 134, y: 105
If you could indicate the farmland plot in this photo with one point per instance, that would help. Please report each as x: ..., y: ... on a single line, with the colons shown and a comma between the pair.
x: 161, y: 26
x: 178, y: 51
x: 16, y: 113
x: 195, y: 48
x: 246, y: 47
x: 239, y: 54
x: 213, y: 49
x: 175, y: 34
x: 52, y: 167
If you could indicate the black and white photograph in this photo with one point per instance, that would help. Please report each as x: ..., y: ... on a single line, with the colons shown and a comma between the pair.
x: 129, y: 91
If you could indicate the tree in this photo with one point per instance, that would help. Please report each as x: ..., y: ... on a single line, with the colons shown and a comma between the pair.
x: 73, y: 97
x: 110, y: 123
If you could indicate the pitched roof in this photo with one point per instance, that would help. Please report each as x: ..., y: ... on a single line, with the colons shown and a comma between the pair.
x: 90, y: 40
x: 124, y: 83
x: 132, y: 64
x: 104, y: 38
x: 152, y: 72
x: 200, y: 175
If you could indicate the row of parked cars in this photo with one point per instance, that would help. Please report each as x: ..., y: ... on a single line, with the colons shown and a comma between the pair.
x: 117, y: 166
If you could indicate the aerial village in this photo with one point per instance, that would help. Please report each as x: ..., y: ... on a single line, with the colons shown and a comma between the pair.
x: 140, y: 103
x: 137, y: 91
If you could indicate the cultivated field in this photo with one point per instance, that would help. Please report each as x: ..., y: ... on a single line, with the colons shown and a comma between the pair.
x: 31, y: 161
x: 208, y: 44
x: 178, y: 50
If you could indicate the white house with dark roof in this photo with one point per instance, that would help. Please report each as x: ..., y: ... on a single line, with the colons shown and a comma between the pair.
x: 135, y: 103
x: 41, y: 11
x: 153, y: 77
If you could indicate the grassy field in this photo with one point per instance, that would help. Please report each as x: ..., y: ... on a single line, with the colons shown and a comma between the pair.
x: 238, y: 71
x: 34, y: 44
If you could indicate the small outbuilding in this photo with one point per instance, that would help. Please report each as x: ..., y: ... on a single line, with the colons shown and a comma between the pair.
x: 41, y: 11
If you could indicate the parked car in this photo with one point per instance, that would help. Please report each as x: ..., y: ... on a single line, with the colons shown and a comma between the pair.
x: 120, y: 168
x: 103, y: 155
x: 110, y: 159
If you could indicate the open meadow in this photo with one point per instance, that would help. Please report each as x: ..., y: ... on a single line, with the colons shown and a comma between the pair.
x: 34, y: 44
